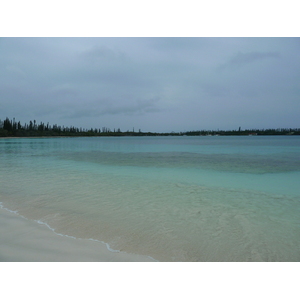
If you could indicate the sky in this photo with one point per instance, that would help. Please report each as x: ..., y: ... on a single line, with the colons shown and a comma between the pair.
x: 152, y: 84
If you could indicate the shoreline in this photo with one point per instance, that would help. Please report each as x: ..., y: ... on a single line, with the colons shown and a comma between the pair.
x: 24, y: 240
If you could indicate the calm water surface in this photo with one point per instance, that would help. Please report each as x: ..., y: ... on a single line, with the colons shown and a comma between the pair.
x: 172, y: 198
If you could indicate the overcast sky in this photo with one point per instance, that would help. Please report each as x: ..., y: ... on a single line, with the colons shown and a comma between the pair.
x: 152, y: 84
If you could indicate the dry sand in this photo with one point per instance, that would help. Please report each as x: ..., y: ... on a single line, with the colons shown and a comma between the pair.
x: 23, y: 240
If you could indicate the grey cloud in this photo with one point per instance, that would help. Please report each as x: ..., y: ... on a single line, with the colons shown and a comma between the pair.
x: 137, y: 107
x: 64, y: 89
x: 215, y: 90
x: 109, y: 107
x: 101, y: 53
x: 16, y: 71
x: 160, y: 82
x: 241, y: 59
x: 174, y: 44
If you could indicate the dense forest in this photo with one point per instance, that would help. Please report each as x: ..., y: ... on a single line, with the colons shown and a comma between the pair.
x: 12, y: 128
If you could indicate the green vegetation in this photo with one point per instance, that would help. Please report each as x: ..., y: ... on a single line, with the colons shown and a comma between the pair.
x: 12, y: 128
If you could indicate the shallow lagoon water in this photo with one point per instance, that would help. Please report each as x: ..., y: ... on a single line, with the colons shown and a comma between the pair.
x: 171, y: 198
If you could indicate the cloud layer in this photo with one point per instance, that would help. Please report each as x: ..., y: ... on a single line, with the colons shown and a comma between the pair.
x: 155, y: 84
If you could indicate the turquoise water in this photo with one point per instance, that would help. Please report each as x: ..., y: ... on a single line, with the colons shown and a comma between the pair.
x: 172, y: 198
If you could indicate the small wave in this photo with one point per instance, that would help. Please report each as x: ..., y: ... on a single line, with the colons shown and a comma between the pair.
x: 68, y: 236
x: 47, y: 225
x: 7, y: 209
x: 90, y: 239
x: 107, y: 246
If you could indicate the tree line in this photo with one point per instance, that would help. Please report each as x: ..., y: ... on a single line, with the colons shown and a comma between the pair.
x: 12, y: 128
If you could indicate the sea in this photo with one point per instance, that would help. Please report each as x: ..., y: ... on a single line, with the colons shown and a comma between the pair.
x: 173, y: 198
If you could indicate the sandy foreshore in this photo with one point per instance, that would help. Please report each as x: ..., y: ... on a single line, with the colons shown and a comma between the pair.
x: 23, y: 240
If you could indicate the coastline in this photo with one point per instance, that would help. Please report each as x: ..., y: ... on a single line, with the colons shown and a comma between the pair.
x: 24, y: 240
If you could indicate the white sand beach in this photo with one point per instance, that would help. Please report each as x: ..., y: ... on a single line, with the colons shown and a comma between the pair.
x: 23, y: 240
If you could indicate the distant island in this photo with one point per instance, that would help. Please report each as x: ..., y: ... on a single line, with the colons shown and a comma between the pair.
x: 12, y: 128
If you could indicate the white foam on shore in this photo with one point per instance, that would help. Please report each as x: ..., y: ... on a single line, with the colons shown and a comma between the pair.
x: 90, y: 239
x: 40, y: 222
x: 47, y: 225
x: 12, y: 211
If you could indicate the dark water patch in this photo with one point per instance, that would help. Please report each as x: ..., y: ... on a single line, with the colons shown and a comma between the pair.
x: 238, y: 163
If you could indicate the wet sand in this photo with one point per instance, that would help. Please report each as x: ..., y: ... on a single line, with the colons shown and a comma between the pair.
x: 23, y: 240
